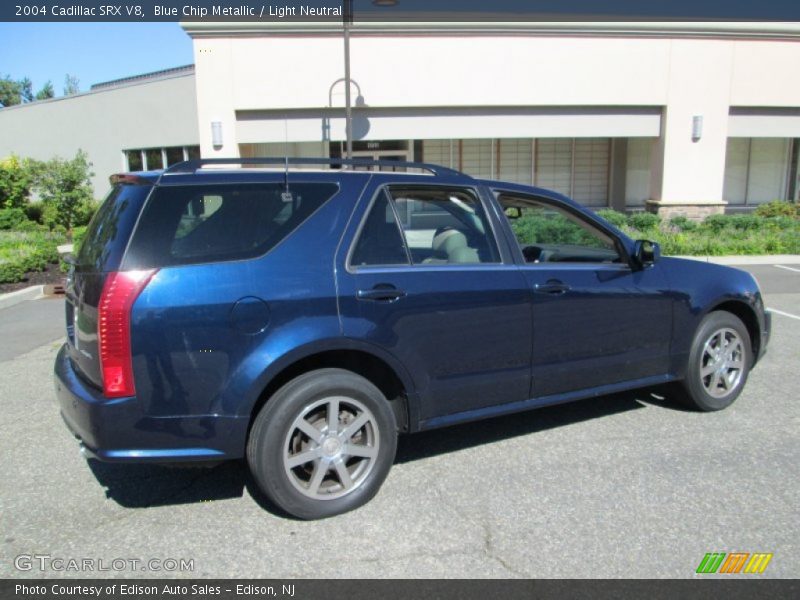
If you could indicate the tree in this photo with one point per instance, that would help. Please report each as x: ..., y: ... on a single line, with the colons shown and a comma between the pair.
x: 46, y: 92
x: 18, y: 92
x: 65, y: 189
x: 71, y: 85
x: 10, y: 91
x: 26, y: 89
x: 16, y: 180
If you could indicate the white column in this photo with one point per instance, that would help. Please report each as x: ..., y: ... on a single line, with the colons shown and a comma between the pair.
x: 688, y: 173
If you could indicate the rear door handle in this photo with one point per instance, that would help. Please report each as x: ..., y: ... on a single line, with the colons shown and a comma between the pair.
x: 552, y: 287
x: 381, y: 293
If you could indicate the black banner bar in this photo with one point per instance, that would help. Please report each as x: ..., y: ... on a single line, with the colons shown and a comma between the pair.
x: 266, y: 11
x: 370, y: 589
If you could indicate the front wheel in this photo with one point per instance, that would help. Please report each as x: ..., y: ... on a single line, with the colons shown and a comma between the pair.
x: 719, y: 362
x: 323, y: 444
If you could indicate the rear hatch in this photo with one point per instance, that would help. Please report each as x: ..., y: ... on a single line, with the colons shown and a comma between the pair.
x: 100, y: 254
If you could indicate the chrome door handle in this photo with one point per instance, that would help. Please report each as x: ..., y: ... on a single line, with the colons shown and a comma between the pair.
x: 379, y: 293
x: 552, y: 288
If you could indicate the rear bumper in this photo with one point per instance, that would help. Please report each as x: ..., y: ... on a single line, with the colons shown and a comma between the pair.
x: 118, y: 430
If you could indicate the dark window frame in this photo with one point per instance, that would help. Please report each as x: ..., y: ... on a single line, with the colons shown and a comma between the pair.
x: 492, y: 229
x: 619, y: 244
x: 218, y: 259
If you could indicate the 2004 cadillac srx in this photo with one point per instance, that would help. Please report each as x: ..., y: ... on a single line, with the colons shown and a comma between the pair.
x: 303, y: 318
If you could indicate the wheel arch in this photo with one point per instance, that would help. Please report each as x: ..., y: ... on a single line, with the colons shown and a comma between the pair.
x: 747, y: 315
x: 375, y: 365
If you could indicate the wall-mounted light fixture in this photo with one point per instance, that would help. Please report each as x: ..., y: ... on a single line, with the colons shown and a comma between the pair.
x: 697, y: 127
x: 216, y: 134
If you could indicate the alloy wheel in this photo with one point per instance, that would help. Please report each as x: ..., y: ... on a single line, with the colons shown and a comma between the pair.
x: 722, y: 362
x: 331, y: 447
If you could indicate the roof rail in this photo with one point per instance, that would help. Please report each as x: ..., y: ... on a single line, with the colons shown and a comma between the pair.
x: 190, y: 166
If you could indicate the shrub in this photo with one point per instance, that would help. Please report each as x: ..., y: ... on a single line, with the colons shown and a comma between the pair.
x: 11, y: 273
x: 85, y: 211
x: 29, y: 226
x: 65, y: 190
x: 78, y: 233
x: 683, y: 223
x: 778, y: 208
x: 34, y: 211
x: 23, y: 252
x: 16, y: 180
x: 716, y: 223
x: 556, y: 229
x: 746, y: 222
x: 644, y: 220
x: 616, y: 218
x: 11, y: 218
x: 781, y: 223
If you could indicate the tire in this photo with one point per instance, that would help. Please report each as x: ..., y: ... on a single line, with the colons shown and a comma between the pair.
x: 309, y: 471
x: 719, y: 363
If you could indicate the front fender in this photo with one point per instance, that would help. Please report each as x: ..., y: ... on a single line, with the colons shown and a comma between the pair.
x: 700, y: 288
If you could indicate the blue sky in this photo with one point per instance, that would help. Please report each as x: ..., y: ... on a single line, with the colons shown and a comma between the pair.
x: 93, y: 52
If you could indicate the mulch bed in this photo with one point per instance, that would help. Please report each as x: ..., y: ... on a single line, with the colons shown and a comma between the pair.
x: 50, y: 275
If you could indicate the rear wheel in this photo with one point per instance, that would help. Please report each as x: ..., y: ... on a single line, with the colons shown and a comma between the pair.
x: 323, y: 444
x: 719, y: 362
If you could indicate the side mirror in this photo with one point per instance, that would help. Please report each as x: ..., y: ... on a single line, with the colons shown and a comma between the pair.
x: 513, y: 212
x: 646, y: 252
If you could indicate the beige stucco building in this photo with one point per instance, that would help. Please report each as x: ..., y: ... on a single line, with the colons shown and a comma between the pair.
x: 690, y: 118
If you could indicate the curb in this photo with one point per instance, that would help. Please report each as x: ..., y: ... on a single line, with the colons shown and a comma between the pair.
x: 768, y: 259
x: 28, y: 293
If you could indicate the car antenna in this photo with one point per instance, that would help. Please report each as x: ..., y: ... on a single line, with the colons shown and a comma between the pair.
x: 286, y: 196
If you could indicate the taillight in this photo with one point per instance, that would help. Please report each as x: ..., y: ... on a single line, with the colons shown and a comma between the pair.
x: 114, y: 330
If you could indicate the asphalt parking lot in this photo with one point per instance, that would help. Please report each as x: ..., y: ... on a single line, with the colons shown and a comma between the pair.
x: 628, y: 485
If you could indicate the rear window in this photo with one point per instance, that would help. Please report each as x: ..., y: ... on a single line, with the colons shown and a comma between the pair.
x: 110, y: 229
x: 211, y: 223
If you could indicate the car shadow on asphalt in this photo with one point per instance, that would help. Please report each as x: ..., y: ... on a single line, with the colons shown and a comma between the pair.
x: 141, y: 486
x: 477, y: 433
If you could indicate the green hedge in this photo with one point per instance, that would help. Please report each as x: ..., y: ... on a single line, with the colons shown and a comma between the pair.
x: 11, y: 218
x: 25, y: 252
x: 773, y: 228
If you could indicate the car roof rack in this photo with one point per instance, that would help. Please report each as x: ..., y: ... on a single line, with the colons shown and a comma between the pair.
x: 191, y: 166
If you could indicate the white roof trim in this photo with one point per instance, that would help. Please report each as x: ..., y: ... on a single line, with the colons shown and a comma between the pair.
x: 768, y: 30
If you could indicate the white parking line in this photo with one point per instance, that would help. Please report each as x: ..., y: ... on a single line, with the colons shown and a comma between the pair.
x: 785, y: 314
x: 787, y: 268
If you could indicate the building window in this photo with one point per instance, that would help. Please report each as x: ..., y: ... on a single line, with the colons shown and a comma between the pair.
x: 756, y: 170
x: 477, y: 158
x: 135, y: 162
x: 153, y: 158
x: 637, y: 170
x: 174, y: 155
x: 147, y: 159
x: 515, y: 160
x: 578, y: 168
x: 554, y: 164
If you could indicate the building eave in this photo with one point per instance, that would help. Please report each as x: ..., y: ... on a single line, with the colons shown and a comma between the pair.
x: 671, y: 29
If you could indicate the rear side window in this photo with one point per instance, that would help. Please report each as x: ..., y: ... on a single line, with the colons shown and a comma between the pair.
x: 428, y: 225
x: 110, y: 229
x: 212, y: 223
x: 380, y: 242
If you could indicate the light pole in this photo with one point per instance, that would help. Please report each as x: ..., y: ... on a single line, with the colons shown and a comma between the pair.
x: 359, y: 102
x: 347, y: 20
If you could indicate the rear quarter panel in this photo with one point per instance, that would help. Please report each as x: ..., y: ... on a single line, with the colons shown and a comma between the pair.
x: 191, y: 354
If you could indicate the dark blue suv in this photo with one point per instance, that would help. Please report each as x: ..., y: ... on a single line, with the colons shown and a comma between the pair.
x: 303, y: 318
